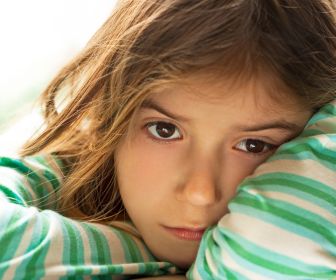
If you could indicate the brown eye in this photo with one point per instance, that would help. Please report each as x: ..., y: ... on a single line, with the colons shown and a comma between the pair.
x: 163, y: 130
x: 255, y: 146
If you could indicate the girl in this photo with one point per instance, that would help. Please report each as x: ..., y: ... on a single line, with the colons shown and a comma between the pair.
x: 151, y: 129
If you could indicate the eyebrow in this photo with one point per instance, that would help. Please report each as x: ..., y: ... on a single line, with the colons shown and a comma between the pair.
x: 276, y: 124
x: 150, y: 104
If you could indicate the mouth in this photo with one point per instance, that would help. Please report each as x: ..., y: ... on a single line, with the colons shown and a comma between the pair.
x: 190, y: 234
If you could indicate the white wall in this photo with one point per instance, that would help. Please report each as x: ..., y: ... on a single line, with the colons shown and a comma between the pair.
x: 36, y: 38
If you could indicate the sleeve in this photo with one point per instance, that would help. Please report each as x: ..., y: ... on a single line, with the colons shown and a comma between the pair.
x: 37, y: 242
x: 282, y: 222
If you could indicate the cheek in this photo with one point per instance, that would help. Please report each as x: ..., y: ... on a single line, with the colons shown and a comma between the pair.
x: 144, y: 166
x: 238, y: 167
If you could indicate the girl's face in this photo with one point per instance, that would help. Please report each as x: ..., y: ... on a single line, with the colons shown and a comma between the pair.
x: 193, y: 143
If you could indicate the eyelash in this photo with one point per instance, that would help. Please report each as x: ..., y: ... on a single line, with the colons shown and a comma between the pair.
x: 148, y: 125
x: 161, y: 140
x: 270, y: 147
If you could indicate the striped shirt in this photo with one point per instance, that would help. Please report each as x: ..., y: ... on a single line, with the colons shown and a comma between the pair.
x: 38, y: 243
x: 282, y: 223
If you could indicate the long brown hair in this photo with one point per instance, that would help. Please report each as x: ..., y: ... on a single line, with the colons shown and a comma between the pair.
x: 89, y: 106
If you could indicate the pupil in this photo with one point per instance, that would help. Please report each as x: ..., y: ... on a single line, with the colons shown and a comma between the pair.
x: 165, y: 130
x: 254, y: 146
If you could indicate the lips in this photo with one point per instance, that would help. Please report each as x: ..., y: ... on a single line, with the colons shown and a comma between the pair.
x: 190, y: 234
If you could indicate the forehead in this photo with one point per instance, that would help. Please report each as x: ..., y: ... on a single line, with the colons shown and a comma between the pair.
x: 261, y: 96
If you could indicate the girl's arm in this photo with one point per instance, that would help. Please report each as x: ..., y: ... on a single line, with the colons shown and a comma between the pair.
x: 37, y: 242
x: 282, y: 223
x: 168, y: 277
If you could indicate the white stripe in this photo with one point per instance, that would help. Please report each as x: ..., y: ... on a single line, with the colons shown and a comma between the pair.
x: 278, y: 240
x: 195, y: 274
x: 31, y: 216
x: 324, y: 139
x: 3, y: 197
x: 232, y: 265
x: 11, y: 178
x: 297, y: 202
x: 326, y: 126
x: 212, y: 263
x: 307, y: 168
x: 38, y: 169
x: 134, y: 234
x: 54, y: 165
x: 131, y: 231
x: 53, y: 261
x: 117, y: 253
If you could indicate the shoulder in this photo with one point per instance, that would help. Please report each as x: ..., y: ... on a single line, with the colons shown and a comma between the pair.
x: 37, y: 164
x: 27, y: 180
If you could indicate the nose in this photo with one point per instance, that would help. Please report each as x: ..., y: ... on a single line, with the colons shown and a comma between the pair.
x: 199, y: 188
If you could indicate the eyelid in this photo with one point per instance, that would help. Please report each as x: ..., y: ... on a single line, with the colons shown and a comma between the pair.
x: 276, y: 140
x: 152, y: 120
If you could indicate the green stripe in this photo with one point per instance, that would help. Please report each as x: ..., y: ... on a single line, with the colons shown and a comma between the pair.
x: 52, y: 179
x: 310, y: 147
x: 33, y: 179
x: 49, y: 172
x: 304, y: 156
x: 201, y: 264
x: 12, y: 196
x: 221, y: 270
x: 132, y: 252
x: 13, y: 180
x: 23, y: 190
x: 49, y: 179
x: 100, y: 250
x: 72, y: 248
x: 11, y: 238
x: 153, y: 268
x: 280, y: 181
x: 326, y: 112
x: 210, y: 251
x: 54, y: 183
x: 37, y: 250
x: 265, y: 262
x: 290, y: 213
x: 310, y: 133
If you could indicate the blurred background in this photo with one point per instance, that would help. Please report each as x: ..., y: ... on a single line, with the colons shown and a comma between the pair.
x: 37, y: 38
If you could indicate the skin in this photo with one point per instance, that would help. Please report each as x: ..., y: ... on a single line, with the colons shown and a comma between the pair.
x: 183, y: 175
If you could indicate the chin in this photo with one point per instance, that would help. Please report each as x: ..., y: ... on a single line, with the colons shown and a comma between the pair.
x: 184, y: 264
x: 182, y: 260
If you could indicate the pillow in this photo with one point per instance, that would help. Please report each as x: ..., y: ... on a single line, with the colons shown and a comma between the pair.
x: 282, y: 222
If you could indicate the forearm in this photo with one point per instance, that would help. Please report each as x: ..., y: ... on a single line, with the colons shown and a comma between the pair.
x: 166, y: 277
x: 43, y: 243
x: 282, y: 223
